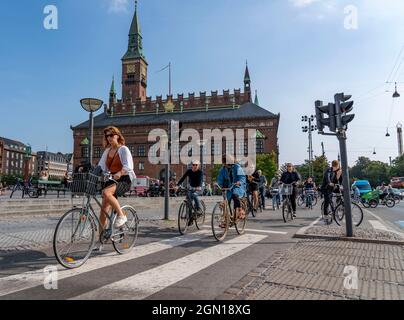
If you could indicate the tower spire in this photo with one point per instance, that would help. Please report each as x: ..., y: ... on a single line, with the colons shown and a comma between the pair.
x: 112, y: 91
x: 135, y: 44
x: 256, y: 98
x: 247, y: 83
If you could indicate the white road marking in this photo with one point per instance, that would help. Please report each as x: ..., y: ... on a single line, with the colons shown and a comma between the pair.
x: 142, y: 285
x: 401, y: 234
x: 378, y: 225
x: 256, y: 230
x: 27, y: 280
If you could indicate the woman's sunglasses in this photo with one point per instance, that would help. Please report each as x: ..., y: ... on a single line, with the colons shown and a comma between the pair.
x: 109, y: 135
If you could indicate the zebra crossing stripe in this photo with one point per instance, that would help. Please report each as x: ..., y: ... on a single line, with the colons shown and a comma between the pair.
x: 144, y: 284
x: 27, y: 280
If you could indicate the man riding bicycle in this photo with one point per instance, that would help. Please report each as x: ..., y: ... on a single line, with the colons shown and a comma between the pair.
x: 195, y: 176
x: 291, y: 177
x: 332, y: 177
x: 232, y: 177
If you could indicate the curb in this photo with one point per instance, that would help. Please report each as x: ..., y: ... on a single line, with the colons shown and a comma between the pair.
x: 353, y: 239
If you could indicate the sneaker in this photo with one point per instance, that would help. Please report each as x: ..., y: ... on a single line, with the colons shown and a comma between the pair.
x: 190, y: 222
x: 120, y: 221
x: 294, y: 214
x: 199, y: 212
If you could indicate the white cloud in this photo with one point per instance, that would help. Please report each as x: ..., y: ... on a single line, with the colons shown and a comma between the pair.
x: 117, y: 6
x: 303, y: 3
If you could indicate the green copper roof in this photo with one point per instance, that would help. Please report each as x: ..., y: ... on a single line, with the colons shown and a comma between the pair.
x: 112, y: 91
x: 135, y: 46
x: 256, y: 99
x: 85, y: 142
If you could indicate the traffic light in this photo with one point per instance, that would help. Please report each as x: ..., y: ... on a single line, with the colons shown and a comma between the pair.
x: 322, y: 121
x: 342, y: 107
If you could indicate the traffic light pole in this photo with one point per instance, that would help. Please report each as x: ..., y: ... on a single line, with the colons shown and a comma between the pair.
x: 341, y: 135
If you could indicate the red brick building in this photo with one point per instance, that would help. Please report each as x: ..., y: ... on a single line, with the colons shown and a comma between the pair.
x: 136, y: 114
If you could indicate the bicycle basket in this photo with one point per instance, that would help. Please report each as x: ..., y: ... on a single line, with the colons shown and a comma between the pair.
x: 287, y: 190
x: 122, y: 188
x: 85, y: 183
x: 274, y: 192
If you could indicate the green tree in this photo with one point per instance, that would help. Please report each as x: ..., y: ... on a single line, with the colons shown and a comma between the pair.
x: 319, y: 165
x: 358, y: 171
x: 267, y: 164
x: 397, y: 168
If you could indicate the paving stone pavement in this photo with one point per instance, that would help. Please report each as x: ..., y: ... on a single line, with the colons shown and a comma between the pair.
x: 316, y: 270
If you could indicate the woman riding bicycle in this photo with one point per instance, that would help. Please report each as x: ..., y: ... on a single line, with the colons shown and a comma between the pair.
x: 231, y: 176
x: 118, y: 161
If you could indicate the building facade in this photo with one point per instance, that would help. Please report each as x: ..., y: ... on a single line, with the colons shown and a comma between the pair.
x: 12, y: 158
x: 55, y: 163
x: 137, y: 114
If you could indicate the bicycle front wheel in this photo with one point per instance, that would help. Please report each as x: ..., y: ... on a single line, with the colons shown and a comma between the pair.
x: 74, y: 238
x: 287, y: 212
x: 183, y: 218
x: 220, y: 221
x: 124, y: 238
x: 300, y: 201
x: 356, y: 212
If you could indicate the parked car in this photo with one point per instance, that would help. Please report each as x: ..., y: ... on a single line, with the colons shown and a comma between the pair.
x: 397, y: 182
x: 363, y: 186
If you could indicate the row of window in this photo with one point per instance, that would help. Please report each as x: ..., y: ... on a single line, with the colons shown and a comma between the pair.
x: 140, y: 150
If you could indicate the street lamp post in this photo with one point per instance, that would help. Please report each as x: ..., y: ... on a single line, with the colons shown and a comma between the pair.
x: 309, y: 129
x: 201, y: 147
x: 91, y: 105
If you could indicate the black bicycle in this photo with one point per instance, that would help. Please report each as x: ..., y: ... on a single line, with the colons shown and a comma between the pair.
x: 336, y: 210
x: 27, y: 188
x: 187, y: 214
x: 287, y: 213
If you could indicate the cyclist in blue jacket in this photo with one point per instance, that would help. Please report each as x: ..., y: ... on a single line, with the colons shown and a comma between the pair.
x: 231, y: 176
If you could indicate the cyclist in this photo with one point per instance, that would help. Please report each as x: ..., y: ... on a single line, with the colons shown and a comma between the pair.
x: 253, y: 184
x: 332, y: 177
x: 195, y: 176
x: 117, y: 160
x: 309, y: 187
x: 291, y: 177
x: 262, y: 186
x: 274, y: 189
x: 231, y: 176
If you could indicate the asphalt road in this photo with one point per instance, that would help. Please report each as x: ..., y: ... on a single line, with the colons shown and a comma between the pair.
x: 162, y: 265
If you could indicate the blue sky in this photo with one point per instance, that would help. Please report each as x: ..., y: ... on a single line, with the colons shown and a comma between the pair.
x: 298, y: 51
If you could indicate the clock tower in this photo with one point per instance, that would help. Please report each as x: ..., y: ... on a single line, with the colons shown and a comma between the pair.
x: 134, y: 66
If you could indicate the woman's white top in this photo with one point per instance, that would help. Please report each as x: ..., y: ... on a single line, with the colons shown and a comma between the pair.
x: 126, y: 160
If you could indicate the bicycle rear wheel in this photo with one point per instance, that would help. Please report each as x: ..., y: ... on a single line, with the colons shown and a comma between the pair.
x: 74, y: 238
x: 124, y: 239
x: 183, y: 218
x: 220, y: 221
x: 200, y: 219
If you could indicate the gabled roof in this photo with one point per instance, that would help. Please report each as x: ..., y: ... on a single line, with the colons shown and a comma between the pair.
x: 246, y: 111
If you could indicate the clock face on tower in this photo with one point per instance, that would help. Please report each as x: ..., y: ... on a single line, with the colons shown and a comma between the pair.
x: 130, y: 68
